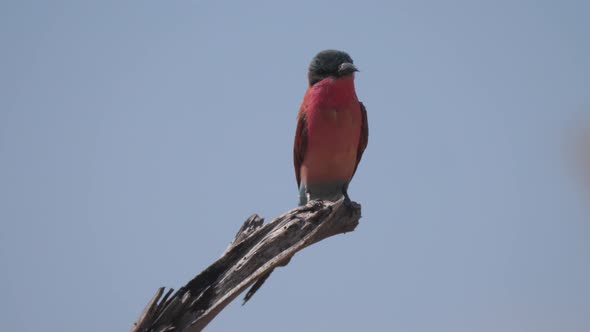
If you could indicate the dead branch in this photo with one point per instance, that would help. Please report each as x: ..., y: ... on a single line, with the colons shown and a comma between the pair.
x: 253, y: 254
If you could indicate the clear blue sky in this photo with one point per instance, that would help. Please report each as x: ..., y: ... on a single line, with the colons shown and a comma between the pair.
x: 136, y: 136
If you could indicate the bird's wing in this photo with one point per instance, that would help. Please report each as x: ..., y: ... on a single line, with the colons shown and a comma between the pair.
x: 364, y: 139
x: 300, y: 144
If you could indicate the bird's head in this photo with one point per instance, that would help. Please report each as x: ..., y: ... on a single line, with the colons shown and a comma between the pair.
x: 330, y: 63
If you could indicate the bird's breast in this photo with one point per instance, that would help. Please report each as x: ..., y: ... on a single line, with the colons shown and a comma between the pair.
x: 332, y: 142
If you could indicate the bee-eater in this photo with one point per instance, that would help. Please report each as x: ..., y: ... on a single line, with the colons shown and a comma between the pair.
x: 332, y: 131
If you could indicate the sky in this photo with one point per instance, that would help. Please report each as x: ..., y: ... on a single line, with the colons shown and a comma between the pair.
x: 137, y: 136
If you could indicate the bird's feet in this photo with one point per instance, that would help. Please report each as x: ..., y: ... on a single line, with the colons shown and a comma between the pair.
x: 348, y: 203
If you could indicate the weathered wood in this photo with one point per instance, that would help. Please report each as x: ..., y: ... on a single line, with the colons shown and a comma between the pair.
x: 256, y: 250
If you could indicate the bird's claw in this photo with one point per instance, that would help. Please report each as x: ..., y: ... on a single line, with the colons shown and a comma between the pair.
x: 348, y: 204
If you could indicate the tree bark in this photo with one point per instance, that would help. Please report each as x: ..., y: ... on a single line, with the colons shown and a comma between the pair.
x: 254, y: 253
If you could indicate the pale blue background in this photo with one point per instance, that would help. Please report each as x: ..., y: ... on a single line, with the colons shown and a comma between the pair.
x: 136, y: 136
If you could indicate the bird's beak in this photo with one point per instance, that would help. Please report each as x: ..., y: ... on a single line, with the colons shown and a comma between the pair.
x: 346, y: 69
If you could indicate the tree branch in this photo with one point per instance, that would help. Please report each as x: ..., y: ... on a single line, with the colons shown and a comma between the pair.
x: 255, y: 252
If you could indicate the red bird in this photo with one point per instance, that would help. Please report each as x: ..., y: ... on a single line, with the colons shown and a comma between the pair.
x: 332, y: 131
x: 331, y: 136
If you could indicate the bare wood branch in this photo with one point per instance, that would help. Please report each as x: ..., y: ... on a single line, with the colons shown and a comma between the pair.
x: 256, y: 250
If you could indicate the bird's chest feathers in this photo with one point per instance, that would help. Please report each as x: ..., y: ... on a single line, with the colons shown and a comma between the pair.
x: 333, y: 119
x: 333, y: 108
x: 333, y: 138
x: 334, y: 123
x: 330, y: 121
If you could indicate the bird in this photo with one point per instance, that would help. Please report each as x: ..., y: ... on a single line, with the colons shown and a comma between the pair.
x: 332, y: 130
x: 331, y: 136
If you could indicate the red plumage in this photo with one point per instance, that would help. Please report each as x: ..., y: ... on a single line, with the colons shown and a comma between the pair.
x: 332, y: 132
